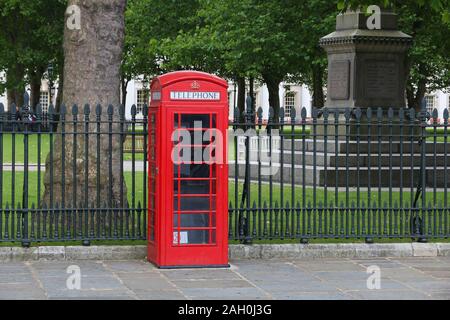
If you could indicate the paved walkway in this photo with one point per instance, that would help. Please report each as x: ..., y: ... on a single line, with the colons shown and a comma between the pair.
x: 401, y: 278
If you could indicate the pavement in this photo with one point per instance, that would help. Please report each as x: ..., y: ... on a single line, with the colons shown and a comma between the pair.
x: 307, y: 279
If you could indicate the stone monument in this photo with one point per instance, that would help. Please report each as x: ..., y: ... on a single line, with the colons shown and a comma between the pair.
x: 366, y: 67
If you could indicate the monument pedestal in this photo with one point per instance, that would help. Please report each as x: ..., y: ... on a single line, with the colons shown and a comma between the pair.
x: 389, y: 128
x: 366, y: 68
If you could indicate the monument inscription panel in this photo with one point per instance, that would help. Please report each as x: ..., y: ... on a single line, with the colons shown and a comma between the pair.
x: 339, y: 86
x: 382, y: 79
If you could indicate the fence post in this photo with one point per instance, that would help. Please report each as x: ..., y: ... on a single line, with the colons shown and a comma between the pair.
x: 245, y: 220
x: 25, y: 114
x: 423, y: 169
x: 87, y: 111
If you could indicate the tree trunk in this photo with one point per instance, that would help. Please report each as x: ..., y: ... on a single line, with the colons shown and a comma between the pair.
x: 124, y: 84
x: 19, y: 97
x: 93, y: 55
x: 35, y: 84
x: 11, y: 98
x: 241, y: 98
x: 415, y: 97
x: 318, y: 95
x: 16, y: 87
x: 273, y: 86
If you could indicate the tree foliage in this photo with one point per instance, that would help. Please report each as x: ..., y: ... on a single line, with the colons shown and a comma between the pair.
x: 30, y: 37
x: 428, y: 22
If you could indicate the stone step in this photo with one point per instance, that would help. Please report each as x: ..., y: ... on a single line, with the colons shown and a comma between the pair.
x: 363, y: 160
x: 364, y: 147
x: 340, y: 177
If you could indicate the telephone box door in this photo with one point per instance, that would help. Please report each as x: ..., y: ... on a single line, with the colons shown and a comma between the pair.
x: 199, y: 210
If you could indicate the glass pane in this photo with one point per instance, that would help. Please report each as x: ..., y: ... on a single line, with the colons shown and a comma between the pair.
x: 196, y: 120
x: 192, y: 187
x: 194, y: 204
x: 191, y: 220
x: 192, y: 170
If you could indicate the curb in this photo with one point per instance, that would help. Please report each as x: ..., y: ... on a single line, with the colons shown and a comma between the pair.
x: 337, y: 251
x: 237, y: 252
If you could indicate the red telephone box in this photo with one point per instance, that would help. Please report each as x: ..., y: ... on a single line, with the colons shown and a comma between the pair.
x: 188, y: 171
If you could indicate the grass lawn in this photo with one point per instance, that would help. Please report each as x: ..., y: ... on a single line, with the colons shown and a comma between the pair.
x: 33, y: 148
x: 319, y: 196
x: 9, y: 196
x: 18, y: 140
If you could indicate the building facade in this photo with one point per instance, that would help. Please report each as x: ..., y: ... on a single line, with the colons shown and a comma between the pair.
x: 291, y: 96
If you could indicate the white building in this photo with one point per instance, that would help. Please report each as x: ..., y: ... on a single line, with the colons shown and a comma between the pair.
x: 291, y: 96
x: 3, y: 99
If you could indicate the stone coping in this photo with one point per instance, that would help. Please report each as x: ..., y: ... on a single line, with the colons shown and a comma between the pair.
x: 237, y: 252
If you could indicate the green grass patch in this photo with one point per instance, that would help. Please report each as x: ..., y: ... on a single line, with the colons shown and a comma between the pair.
x: 17, y: 140
x: 306, y: 196
x: 12, y: 189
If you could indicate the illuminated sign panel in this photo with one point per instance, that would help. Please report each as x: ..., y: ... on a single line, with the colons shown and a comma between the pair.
x: 197, y: 95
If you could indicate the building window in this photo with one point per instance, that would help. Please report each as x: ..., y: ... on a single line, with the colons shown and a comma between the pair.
x: 431, y: 103
x: 141, y: 101
x: 289, y: 103
x: 44, y: 101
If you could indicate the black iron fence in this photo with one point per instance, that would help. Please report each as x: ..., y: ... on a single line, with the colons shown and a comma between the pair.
x: 339, y: 174
x: 78, y: 174
x: 66, y: 176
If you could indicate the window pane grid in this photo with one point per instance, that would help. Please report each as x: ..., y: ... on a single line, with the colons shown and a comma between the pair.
x: 44, y: 101
x: 289, y: 103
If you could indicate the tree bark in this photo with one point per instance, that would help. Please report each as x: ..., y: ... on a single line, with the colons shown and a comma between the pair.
x: 11, y: 98
x: 16, y: 87
x: 93, y: 55
x: 318, y: 95
x: 416, y: 96
x: 124, y: 85
x: 241, y: 98
x: 35, y: 84
x: 273, y: 86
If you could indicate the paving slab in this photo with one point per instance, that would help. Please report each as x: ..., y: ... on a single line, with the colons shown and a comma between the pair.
x: 130, y: 266
x: 171, y: 294
x: 207, y: 284
x: 317, y: 266
x: 440, y: 294
x: 332, y: 295
x: 21, y: 291
x: 225, y: 294
x: 389, y: 295
x: 87, y: 283
x: 90, y: 294
x: 200, y: 274
x: 287, y: 279
x: 153, y: 283
x: 302, y: 286
x: 351, y: 285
